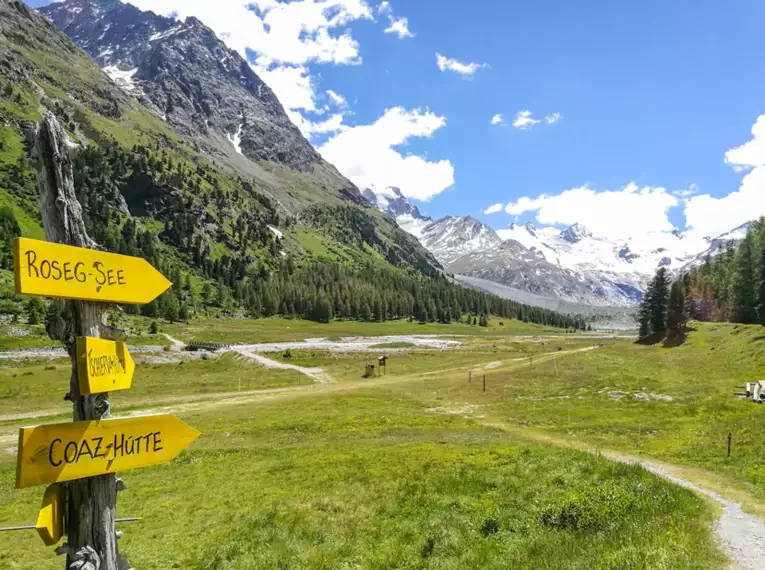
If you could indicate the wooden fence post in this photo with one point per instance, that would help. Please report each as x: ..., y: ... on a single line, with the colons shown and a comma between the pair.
x: 90, y: 503
x: 484, y: 382
x: 730, y: 437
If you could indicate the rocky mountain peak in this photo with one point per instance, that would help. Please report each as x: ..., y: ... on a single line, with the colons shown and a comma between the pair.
x: 391, y: 201
x: 189, y: 78
x: 575, y: 233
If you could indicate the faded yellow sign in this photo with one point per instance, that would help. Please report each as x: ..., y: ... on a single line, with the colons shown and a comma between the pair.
x: 103, y: 365
x: 50, y: 521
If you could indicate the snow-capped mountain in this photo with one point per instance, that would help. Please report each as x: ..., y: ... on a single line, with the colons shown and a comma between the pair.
x: 573, y: 264
x: 452, y: 237
x: 392, y: 202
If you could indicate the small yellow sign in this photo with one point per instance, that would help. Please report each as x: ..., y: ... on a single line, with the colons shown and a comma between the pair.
x: 55, y: 270
x: 50, y: 521
x: 103, y: 365
x: 75, y: 450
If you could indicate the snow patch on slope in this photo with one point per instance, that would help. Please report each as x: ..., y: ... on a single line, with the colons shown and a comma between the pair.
x: 123, y: 79
x: 236, y: 139
x: 166, y: 34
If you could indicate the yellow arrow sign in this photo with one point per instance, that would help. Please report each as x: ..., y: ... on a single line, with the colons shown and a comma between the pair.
x: 75, y: 450
x: 103, y: 365
x: 50, y: 521
x: 55, y: 270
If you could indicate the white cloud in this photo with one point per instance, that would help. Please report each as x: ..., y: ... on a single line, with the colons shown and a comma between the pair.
x: 466, y: 69
x: 493, y: 209
x: 296, y: 32
x: 752, y: 153
x: 497, y: 119
x: 625, y: 213
x: 309, y: 128
x: 706, y: 215
x: 400, y: 27
x: 687, y: 192
x: 366, y: 155
x: 524, y: 120
x: 336, y: 98
x: 283, y: 36
x: 292, y: 85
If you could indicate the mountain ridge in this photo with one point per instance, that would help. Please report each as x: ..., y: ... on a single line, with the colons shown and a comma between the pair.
x: 572, y: 265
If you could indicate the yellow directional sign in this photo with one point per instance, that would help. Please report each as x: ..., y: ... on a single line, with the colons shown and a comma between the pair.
x: 55, y: 270
x: 103, y: 365
x: 75, y: 450
x: 50, y: 521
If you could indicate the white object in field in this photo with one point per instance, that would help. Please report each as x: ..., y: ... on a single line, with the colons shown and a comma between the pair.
x: 756, y: 390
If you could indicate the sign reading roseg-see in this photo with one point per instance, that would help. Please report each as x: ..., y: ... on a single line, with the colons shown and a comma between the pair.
x: 55, y: 270
x: 62, y: 452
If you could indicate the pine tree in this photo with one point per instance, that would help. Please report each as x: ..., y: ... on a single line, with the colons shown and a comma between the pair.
x: 742, y: 287
x: 658, y: 301
x: 761, y: 287
x: 676, y: 316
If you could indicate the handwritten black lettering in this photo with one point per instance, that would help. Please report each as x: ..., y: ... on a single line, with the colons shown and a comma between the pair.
x: 55, y: 270
x: 96, y: 453
x: 50, y: 453
x: 101, y: 279
x: 31, y: 259
x: 121, y: 277
x: 84, y: 449
x: 157, y: 441
x: 73, y: 446
x: 79, y: 273
x: 45, y: 269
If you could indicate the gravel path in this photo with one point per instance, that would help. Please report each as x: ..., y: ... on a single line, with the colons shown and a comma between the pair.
x: 741, y: 535
x: 177, y: 345
x: 316, y: 374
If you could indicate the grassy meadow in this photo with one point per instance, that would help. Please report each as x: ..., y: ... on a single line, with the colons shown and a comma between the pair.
x: 422, y: 468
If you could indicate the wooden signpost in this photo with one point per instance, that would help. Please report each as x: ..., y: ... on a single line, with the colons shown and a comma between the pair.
x: 103, y: 365
x: 81, y: 457
x: 74, y: 450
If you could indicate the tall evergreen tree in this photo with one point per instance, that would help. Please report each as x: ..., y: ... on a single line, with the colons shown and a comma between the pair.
x: 742, y: 286
x: 761, y: 287
x: 658, y: 300
x: 676, y: 317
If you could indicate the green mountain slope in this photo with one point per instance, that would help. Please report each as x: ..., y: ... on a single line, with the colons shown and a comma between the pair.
x: 235, y: 233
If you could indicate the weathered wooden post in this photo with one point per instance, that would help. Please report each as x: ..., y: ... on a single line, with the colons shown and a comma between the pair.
x: 555, y: 365
x: 81, y: 499
x: 90, y: 503
x: 484, y: 382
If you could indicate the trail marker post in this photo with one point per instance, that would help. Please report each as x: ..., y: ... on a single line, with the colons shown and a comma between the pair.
x: 81, y: 457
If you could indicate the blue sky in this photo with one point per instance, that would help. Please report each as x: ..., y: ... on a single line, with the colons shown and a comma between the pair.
x: 650, y: 92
